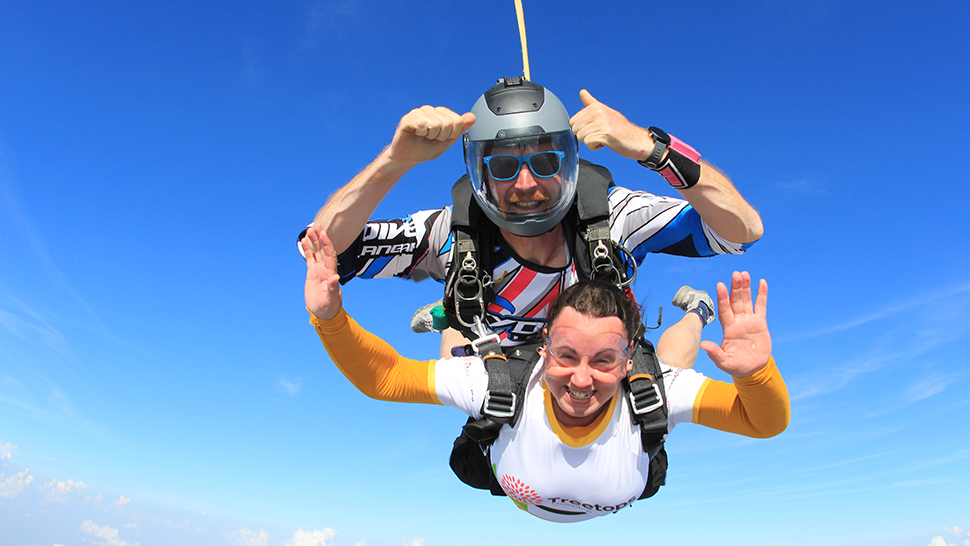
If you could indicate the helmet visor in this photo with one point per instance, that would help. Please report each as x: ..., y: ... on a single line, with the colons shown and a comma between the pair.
x: 526, y: 178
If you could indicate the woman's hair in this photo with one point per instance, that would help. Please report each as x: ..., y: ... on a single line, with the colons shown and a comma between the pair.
x: 599, y: 300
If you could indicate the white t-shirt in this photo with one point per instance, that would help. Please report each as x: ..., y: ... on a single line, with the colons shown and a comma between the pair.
x: 602, y: 473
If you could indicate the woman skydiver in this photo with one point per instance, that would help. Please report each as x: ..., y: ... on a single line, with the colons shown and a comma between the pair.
x: 574, y: 452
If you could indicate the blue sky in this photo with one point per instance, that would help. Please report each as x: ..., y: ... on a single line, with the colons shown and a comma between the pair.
x: 160, y: 384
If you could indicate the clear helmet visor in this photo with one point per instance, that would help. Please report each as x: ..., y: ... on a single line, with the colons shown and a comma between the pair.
x: 525, y: 184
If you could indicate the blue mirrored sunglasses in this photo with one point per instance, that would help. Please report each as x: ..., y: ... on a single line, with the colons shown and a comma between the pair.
x: 506, y: 166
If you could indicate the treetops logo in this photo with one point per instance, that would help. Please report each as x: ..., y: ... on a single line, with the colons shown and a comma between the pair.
x: 523, y: 495
x: 518, y: 491
x: 589, y: 508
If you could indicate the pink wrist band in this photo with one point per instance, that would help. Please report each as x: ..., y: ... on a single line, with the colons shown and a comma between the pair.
x: 681, y: 169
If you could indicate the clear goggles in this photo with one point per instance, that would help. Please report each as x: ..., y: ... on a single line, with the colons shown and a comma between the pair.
x: 611, y: 350
x: 552, y: 157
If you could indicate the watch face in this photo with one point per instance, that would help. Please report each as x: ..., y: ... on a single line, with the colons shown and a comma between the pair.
x: 659, y: 135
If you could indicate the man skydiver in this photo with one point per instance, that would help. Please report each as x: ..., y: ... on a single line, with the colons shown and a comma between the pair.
x: 522, y: 161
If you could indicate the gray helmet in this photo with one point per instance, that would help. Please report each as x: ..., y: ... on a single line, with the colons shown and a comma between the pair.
x: 522, y: 125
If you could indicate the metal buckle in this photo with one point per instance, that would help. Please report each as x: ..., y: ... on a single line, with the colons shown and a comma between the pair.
x: 484, y: 339
x: 469, y: 288
x: 650, y: 407
x: 499, y: 412
x: 484, y: 335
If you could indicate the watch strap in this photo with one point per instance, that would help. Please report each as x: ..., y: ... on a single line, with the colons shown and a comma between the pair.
x: 653, y: 162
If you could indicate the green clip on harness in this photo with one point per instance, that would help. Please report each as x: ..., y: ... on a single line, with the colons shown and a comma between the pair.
x: 467, y: 291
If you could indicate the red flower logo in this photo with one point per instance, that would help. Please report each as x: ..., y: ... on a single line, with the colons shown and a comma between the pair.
x: 519, y: 491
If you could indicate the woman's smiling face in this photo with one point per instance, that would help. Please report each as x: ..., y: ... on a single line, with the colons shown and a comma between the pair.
x: 586, y: 358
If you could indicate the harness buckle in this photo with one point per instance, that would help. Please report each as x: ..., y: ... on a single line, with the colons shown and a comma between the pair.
x: 602, y: 266
x: 490, y: 338
x: 469, y: 292
x: 484, y: 335
x: 505, y: 403
x: 649, y: 403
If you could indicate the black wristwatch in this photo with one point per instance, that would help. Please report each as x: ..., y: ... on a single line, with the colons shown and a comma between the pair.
x: 661, y: 140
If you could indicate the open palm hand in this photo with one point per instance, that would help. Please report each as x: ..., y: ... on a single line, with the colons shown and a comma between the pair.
x: 322, y: 290
x: 746, y: 347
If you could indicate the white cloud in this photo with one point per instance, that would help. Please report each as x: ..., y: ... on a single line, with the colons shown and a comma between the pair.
x: 5, y: 451
x: 415, y: 542
x: 58, y: 491
x: 887, y: 312
x: 109, y: 535
x: 312, y: 538
x: 18, y: 216
x: 361, y: 543
x: 94, y: 500
x: 938, y: 541
x: 804, y: 186
x: 935, y: 383
x: 12, y: 486
x: 122, y: 501
x: 957, y: 531
x: 289, y: 387
x: 245, y: 537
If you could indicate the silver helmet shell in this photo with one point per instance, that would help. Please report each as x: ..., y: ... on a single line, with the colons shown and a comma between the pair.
x: 519, y: 117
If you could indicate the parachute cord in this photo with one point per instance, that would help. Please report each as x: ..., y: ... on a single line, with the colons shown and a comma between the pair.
x: 525, y: 47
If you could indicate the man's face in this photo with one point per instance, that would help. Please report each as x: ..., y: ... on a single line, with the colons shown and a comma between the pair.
x: 526, y: 193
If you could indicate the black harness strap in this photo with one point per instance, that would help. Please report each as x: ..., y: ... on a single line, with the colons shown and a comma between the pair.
x: 507, y: 382
x: 645, y: 388
x: 598, y: 257
x: 468, y: 283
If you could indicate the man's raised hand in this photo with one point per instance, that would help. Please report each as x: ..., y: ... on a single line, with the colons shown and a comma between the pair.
x: 425, y: 133
x: 598, y: 125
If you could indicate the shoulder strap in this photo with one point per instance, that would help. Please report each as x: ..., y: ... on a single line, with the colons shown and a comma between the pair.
x: 464, y: 210
x: 645, y: 388
x: 468, y: 281
x: 597, y: 255
x: 592, y: 191
x: 508, y: 377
